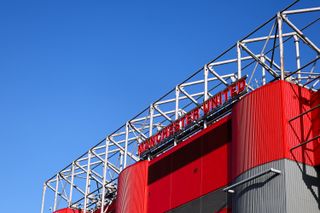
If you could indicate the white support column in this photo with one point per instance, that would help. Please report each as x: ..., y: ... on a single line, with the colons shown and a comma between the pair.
x: 43, y: 197
x: 177, y: 103
x: 151, y: 112
x: 121, y: 160
x: 126, y: 146
x: 239, y: 59
x: 263, y: 59
x: 105, y: 169
x: 71, y: 184
x: 280, y: 21
x: 206, y: 73
x: 205, y: 96
x: 87, y: 191
x: 56, y: 193
x: 297, y: 45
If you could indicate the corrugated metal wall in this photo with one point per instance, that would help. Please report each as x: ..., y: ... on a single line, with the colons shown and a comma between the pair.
x: 296, y: 190
x: 257, y: 129
x: 315, y: 101
x: 132, y: 189
x: 261, y: 130
x: 302, y: 187
x: 264, y: 194
x: 297, y: 100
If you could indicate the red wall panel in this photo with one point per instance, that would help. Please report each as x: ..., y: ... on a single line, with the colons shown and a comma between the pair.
x: 315, y: 117
x: 132, y: 189
x: 297, y: 100
x: 159, y: 186
x: 257, y: 129
x: 193, y: 168
x: 261, y: 130
x: 68, y: 210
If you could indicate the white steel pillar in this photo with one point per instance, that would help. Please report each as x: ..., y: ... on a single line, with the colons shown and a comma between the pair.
x: 151, y: 112
x: 177, y: 102
x: 206, y: 73
x: 121, y: 160
x: 56, y: 193
x: 239, y: 59
x: 263, y: 59
x: 296, y: 42
x: 206, y: 96
x: 71, y: 185
x: 87, y: 191
x: 126, y: 146
x: 43, y: 197
x: 280, y: 22
x: 105, y: 169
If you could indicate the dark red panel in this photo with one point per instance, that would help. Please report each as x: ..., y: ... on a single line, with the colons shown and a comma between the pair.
x: 215, y: 158
x: 132, y: 189
x: 186, y: 173
x: 159, y: 186
x: 193, y: 168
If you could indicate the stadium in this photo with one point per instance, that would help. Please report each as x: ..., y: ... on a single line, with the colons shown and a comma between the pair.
x: 239, y: 135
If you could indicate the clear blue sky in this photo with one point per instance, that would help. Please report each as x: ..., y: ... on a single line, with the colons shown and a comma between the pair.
x: 72, y: 71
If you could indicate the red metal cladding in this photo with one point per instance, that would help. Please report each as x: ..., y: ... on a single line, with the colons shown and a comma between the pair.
x: 315, y: 117
x: 257, y: 128
x: 297, y: 100
x: 261, y: 130
x: 193, y: 168
x: 68, y: 210
x: 132, y: 189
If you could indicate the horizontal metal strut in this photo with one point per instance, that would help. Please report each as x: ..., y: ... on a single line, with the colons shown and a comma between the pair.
x: 306, y: 112
x: 271, y: 170
x: 306, y: 142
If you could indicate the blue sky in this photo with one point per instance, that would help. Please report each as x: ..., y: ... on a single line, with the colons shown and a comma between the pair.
x: 72, y: 71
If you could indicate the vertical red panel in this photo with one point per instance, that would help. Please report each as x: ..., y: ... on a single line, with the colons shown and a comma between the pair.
x: 262, y: 130
x: 257, y: 128
x: 186, y: 173
x: 159, y: 185
x: 195, y: 167
x: 315, y: 117
x: 215, y: 157
x: 297, y: 100
x: 132, y: 189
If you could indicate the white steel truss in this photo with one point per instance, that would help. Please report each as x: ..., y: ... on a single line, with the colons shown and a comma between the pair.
x: 286, y: 47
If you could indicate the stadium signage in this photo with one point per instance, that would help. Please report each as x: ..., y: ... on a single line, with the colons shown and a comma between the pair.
x: 217, y: 101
